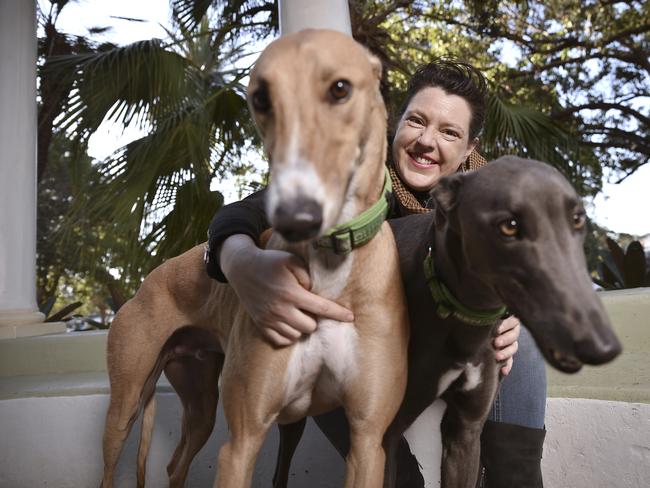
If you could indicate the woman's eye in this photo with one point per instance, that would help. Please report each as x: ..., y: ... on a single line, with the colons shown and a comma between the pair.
x: 450, y: 134
x: 340, y: 90
x: 509, y: 228
x: 415, y: 120
x: 579, y: 220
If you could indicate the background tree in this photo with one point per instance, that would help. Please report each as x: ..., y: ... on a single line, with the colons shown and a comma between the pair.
x: 568, y: 84
x: 185, y: 94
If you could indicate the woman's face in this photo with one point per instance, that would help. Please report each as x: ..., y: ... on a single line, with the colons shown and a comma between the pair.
x: 432, y: 138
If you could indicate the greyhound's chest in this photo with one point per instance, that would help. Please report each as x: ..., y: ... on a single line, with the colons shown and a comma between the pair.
x: 321, y: 362
x: 318, y: 368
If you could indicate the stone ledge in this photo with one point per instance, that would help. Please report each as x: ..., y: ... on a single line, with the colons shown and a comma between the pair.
x: 30, y: 330
x: 62, y: 385
x: 626, y: 379
x: 56, y: 353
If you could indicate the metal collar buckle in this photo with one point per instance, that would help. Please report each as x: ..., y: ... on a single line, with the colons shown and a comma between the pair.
x: 343, y: 241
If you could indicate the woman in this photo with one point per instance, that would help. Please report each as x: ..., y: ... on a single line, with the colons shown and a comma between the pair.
x: 440, y: 122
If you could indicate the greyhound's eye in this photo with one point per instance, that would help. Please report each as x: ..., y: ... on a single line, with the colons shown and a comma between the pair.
x: 579, y: 220
x: 340, y: 90
x: 509, y: 228
x: 261, y: 101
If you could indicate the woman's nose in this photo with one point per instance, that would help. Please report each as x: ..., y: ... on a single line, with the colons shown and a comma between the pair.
x: 427, y: 137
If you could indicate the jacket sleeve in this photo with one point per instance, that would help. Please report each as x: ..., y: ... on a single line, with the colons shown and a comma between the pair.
x: 248, y: 216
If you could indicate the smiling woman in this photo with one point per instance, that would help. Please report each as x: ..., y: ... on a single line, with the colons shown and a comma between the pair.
x: 441, y: 121
x: 431, y: 140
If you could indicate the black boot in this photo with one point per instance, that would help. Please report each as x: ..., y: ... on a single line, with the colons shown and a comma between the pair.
x: 511, y: 456
x: 408, y: 468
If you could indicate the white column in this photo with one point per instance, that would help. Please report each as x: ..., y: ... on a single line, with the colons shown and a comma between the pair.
x: 19, y: 315
x: 296, y: 15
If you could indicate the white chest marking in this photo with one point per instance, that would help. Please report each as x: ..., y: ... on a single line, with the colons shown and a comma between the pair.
x: 447, y: 379
x: 473, y: 377
x: 329, y: 356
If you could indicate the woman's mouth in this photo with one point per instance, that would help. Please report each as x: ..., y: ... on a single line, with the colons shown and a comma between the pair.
x: 421, y: 161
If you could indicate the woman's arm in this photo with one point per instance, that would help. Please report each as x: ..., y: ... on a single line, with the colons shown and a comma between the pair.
x: 246, y: 217
x: 272, y: 285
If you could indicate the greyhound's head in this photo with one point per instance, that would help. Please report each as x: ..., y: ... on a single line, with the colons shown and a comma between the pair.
x: 315, y: 99
x: 521, y: 228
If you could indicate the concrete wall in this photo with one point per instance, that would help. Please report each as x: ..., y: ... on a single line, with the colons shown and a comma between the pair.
x: 54, y: 393
x: 56, y: 442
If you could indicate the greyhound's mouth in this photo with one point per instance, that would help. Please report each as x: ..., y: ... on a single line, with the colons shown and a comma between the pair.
x: 563, y: 362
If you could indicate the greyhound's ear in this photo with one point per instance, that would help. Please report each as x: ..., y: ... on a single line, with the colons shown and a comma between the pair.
x: 376, y: 65
x: 445, y: 195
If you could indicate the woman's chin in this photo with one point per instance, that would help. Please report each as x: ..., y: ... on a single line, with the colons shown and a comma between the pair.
x: 422, y: 179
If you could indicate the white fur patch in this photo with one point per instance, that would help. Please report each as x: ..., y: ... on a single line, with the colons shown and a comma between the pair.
x: 473, y: 376
x: 291, y: 180
x: 447, y: 379
x: 293, y: 176
x: 329, y: 356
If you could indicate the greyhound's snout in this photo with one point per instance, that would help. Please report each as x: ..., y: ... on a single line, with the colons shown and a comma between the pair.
x: 298, y: 219
x: 598, y: 351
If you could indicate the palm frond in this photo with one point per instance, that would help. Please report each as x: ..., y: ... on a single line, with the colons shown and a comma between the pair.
x: 517, y: 128
x: 124, y: 84
x: 190, y: 12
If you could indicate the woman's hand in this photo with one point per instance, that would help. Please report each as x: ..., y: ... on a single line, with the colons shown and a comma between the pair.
x: 505, y: 344
x: 273, y: 286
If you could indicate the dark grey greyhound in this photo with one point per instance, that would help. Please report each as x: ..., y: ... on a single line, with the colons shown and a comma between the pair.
x: 508, y: 235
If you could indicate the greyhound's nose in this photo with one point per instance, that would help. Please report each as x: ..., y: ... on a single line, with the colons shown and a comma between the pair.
x: 298, y: 219
x: 598, y: 351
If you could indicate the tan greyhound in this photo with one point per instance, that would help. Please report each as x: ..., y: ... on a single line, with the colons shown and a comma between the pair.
x: 316, y: 102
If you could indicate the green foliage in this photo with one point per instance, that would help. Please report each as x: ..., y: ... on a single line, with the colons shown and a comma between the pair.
x: 623, y: 269
x: 520, y: 111
x: 570, y: 92
x: 584, y: 64
x: 151, y: 199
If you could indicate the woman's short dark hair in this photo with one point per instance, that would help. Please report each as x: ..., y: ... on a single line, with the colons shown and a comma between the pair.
x: 456, y: 78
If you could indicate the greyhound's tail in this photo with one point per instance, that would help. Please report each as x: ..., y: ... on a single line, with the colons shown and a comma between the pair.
x: 146, y: 432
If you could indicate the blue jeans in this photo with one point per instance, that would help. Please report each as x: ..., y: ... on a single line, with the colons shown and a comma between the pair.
x: 522, y: 397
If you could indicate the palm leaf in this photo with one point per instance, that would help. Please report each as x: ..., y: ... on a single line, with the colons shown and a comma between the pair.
x: 134, y: 83
x: 242, y: 16
x: 520, y: 129
x: 188, y: 97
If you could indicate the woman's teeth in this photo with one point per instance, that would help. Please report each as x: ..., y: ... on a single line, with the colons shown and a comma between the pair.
x: 422, y: 160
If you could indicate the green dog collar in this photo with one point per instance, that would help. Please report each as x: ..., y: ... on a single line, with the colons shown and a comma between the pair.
x: 447, y: 305
x: 348, y: 236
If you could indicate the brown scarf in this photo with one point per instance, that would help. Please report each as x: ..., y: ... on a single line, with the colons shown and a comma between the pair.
x: 407, y: 201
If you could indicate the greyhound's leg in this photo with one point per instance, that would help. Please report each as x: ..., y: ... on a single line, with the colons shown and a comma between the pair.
x: 195, y: 381
x: 131, y: 388
x: 416, y: 400
x: 461, y: 431
x: 145, y: 437
x: 290, y: 435
x: 121, y: 414
x: 371, y: 400
x: 253, y: 395
x: 237, y: 457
